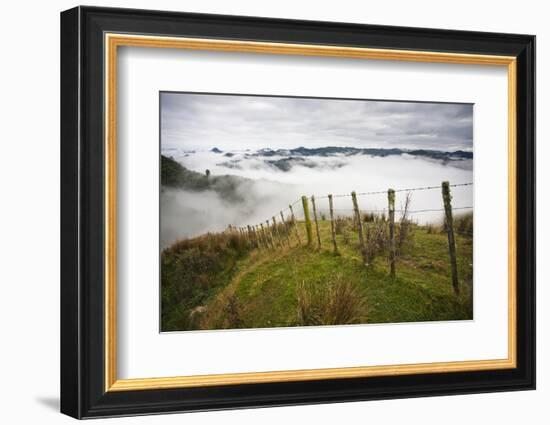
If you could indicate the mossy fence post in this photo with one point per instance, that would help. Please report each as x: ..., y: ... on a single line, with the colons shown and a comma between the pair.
x: 359, y: 227
x: 391, y: 217
x: 287, y: 229
x: 332, y: 224
x: 316, y: 221
x: 307, y: 219
x: 294, y: 224
x: 445, y: 190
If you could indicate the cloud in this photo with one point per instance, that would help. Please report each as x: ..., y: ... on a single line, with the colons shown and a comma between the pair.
x: 202, y: 121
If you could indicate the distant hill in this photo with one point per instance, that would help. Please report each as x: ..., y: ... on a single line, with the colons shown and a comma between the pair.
x: 176, y: 176
x: 349, y: 151
x: 286, y: 159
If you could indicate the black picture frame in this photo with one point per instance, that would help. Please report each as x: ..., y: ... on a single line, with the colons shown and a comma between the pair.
x: 83, y: 392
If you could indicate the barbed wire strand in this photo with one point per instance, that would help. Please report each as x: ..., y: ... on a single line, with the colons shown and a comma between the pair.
x: 379, y: 192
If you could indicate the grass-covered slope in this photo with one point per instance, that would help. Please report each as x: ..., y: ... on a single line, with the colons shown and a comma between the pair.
x: 239, y: 286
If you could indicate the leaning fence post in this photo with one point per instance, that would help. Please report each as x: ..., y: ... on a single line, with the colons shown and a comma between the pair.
x: 332, y: 224
x: 316, y: 222
x: 294, y: 223
x: 450, y: 233
x: 359, y: 227
x: 287, y: 230
x: 391, y: 216
x: 309, y: 230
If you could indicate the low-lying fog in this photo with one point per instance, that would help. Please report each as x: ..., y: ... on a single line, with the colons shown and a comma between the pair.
x: 188, y: 214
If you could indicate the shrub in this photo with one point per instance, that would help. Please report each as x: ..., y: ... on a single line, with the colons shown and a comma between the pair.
x: 341, y: 224
x: 376, y: 239
x: 405, y: 229
x: 335, y: 301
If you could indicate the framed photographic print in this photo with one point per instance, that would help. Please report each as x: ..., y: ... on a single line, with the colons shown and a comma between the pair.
x: 261, y: 212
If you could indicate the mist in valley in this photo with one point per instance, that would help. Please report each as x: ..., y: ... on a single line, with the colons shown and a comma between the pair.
x: 268, y: 190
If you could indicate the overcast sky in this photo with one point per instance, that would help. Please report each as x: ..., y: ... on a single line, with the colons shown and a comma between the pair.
x: 204, y: 121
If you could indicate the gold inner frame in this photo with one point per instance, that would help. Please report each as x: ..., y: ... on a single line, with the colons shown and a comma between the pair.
x: 113, y: 41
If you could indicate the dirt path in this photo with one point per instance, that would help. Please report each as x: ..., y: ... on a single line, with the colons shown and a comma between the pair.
x: 215, y: 308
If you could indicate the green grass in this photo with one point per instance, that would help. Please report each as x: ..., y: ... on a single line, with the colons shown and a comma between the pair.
x: 261, y: 288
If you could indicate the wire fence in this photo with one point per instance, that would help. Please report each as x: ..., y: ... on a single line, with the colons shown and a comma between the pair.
x: 282, y: 226
x: 377, y: 192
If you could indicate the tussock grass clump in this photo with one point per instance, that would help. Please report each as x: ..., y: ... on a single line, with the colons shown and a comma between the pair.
x: 464, y: 223
x: 335, y: 301
x: 432, y: 228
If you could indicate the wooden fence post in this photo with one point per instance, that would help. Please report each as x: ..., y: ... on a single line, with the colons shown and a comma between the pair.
x: 276, y: 231
x: 316, y: 222
x: 294, y: 223
x: 264, y: 234
x: 256, y: 236
x: 359, y: 227
x: 261, y: 236
x: 269, y: 231
x: 287, y: 229
x: 450, y: 233
x: 391, y: 216
x: 332, y: 224
x: 309, y: 230
x: 251, y: 239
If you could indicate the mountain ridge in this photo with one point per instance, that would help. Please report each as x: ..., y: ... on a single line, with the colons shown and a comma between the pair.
x: 350, y: 151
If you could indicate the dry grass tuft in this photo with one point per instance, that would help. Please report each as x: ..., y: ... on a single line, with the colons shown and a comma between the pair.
x: 335, y: 301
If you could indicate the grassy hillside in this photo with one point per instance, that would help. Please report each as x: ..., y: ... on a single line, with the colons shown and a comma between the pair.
x: 174, y: 175
x: 222, y: 281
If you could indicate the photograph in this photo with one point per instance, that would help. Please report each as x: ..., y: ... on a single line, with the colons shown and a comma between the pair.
x: 297, y: 211
x: 281, y: 211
